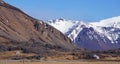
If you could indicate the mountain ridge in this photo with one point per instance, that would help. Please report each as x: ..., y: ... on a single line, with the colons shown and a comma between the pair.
x: 98, y: 37
x: 19, y: 31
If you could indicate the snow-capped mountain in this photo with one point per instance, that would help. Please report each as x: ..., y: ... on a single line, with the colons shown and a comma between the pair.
x: 62, y: 25
x: 110, y: 22
x: 103, y: 35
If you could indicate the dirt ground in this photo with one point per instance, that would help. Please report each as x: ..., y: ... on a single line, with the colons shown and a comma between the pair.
x: 62, y: 62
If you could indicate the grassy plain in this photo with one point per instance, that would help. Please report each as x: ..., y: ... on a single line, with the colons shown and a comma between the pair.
x: 64, y: 62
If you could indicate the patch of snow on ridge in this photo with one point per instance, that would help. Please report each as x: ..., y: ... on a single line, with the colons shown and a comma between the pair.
x: 111, y: 22
x: 105, y: 33
x: 77, y: 30
x: 63, y: 25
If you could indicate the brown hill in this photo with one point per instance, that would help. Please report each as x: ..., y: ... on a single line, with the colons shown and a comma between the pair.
x: 19, y: 31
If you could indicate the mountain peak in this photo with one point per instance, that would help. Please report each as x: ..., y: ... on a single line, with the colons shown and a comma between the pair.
x: 110, y: 22
x: 62, y: 24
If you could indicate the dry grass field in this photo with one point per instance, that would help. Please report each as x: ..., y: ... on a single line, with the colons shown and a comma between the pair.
x: 64, y: 59
x: 63, y: 62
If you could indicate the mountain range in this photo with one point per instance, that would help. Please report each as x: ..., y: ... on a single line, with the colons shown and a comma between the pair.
x: 101, y: 35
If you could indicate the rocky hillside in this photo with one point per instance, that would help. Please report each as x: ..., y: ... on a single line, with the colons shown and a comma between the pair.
x: 19, y: 31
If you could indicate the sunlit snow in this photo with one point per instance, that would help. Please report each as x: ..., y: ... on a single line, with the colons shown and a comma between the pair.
x: 65, y: 25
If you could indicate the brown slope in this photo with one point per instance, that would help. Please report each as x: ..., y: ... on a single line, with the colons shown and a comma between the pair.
x: 18, y: 31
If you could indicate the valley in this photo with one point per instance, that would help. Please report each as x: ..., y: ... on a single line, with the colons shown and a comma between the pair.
x: 27, y: 40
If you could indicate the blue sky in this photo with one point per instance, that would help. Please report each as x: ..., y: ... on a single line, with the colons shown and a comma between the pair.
x: 88, y: 10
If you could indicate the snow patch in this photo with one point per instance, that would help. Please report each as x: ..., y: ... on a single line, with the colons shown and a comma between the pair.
x: 62, y: 25
x: 111, y: 22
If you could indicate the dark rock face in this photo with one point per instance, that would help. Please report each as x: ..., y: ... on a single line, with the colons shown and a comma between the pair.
x: 90, y: 39
x: 20, y: 31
